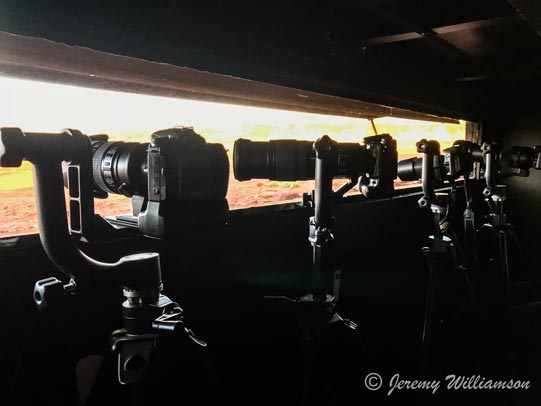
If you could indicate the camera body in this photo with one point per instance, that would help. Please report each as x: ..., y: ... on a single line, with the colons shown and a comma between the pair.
x: 187, y: 183
x: 177, y: 182
x: 459, y: 159
x: 378, y: 181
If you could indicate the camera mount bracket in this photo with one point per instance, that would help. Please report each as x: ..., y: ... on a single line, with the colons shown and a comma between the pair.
x: 490, y: 157
x: 430, y: 171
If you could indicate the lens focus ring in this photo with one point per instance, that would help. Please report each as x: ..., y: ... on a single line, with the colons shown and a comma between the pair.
x: 102, y: 167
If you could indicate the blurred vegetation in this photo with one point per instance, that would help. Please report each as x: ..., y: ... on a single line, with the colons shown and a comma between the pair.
x: 406, y: 132
x: 288, y: 185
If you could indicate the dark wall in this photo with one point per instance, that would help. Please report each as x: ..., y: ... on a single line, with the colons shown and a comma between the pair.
x: 519, y: 124
x: 220, y: 278
x: 524, y: 193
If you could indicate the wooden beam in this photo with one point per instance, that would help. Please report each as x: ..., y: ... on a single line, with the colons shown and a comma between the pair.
x: 430, y: 37
x: 40, y: 59
x: 470, y: 25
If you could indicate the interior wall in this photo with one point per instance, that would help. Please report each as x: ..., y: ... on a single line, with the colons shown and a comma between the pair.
x: 220, y: 279
x: 524, y: 193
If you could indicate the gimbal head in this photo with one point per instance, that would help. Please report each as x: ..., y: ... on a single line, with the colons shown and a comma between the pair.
x: 431, y: 172
x: 146, y: 312
x: 47, y: 152
x: 321, y: 235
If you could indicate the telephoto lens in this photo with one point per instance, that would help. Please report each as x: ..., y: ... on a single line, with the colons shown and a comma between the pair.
x: 118, y: 167
x: 283, y: 160
x: 410, y: 169
x: 455, y: 161
x: 290, y: 160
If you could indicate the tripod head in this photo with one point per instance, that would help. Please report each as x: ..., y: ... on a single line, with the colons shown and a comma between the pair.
x: 47, y: 152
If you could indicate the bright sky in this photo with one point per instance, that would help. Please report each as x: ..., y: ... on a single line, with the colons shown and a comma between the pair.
x: 45, y: 107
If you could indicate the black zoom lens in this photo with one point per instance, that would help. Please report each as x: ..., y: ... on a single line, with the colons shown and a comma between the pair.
x: 283, y: 160
x: 410, y: 169
x: 119, y: 167
x: 289, y: 160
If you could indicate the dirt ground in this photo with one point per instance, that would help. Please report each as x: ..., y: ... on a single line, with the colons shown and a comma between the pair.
x: 18, y: 207
x: 18, y: 213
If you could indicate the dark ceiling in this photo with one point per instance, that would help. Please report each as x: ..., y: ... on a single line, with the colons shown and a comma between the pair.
x: 458, y: 58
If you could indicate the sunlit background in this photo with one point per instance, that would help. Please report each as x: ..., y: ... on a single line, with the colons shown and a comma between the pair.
x: 44, y: 107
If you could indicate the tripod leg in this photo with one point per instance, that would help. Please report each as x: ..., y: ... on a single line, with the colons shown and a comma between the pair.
x: 333, y: 364
x: 504, y: 264
x: 429, y: 308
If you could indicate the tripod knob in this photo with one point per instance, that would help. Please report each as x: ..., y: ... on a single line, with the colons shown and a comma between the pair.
x: 48, y: 292
x: 10, y: 155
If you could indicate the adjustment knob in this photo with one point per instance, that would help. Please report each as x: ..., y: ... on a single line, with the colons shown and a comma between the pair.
x: 48, y: 292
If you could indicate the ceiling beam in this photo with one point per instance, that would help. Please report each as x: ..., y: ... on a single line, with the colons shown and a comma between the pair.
x: 429, y: 37
x: 470, y: 25
x: 41, y: 59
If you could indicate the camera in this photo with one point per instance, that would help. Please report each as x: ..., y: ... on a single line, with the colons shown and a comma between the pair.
x: 289, y: 160
x: 458, y: 160
x: 177, y: 182
x: 517, y: 161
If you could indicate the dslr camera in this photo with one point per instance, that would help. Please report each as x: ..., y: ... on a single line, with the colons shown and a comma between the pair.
x: 177, y: 182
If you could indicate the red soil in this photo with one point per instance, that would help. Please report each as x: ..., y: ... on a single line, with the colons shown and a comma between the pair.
x: 18, y: 207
